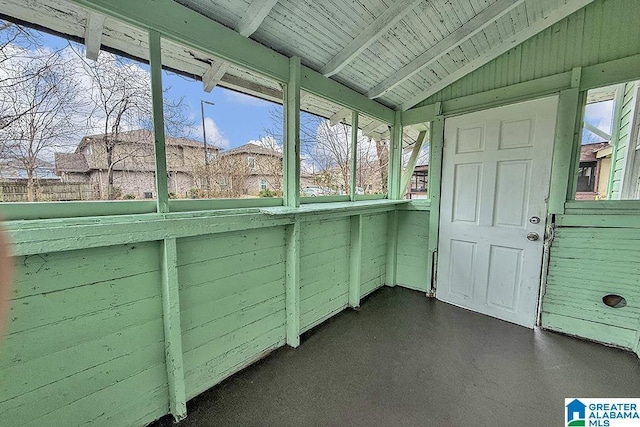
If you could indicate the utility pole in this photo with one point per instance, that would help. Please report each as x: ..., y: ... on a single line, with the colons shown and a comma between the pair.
x: 206, y: 149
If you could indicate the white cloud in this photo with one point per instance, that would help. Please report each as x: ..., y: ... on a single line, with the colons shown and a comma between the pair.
x: 214, y: 135
x: 268, y: 142
x: 599, y: 114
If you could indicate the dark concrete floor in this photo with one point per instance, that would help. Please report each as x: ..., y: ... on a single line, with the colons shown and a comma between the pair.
x: 406, y: 360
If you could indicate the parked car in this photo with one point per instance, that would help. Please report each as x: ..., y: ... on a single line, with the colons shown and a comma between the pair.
x: 313, y: 191
x: 359, y: 191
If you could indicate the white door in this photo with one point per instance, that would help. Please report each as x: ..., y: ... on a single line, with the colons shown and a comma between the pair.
x: 495, y: 182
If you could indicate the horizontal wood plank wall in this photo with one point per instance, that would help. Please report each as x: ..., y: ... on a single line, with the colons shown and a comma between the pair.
x: 324, y: 270
x: 589, y: 261
x: 583, y: 38
x: 374, y: 252
x: 85, y: 342
x: 413, y: 250
x: 232, y: 302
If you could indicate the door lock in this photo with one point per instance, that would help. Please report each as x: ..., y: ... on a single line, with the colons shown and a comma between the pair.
x: 533, y: 236
x: 534, y: 220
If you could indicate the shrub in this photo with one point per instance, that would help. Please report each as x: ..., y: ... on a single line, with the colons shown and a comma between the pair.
x: 129, y: 196
x: 267, y: 193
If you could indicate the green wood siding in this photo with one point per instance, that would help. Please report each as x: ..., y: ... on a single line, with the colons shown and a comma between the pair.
x: 231, y: 302
x: 603, y: 31
x: 86, y: 335
x: 413, y: 250
x: 374, y: 252
x: 324, y: 270
x: 85, y: 342
x: 622, y: 135
x: 588, y: 262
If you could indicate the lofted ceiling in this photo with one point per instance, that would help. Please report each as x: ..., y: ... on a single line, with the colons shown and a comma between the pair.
x: 396, y: 52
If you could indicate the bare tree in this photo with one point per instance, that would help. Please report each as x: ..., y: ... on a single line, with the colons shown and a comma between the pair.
x: 120, y: 96
x: 15, y: 43
x: 42, y: 110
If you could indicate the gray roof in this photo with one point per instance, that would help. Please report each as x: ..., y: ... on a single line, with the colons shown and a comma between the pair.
x: 141, y: 136
x: 71, y: 162
x: 251, y: 148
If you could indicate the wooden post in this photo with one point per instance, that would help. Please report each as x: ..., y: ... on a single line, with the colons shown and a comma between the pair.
x: 158, y: 121
x: 355, y: 261
x: 395, y: 158
x: 392, y: 248
x: 354, y: 153
x: 435, y: 179
x: 292, y: 284
x: 292, y: 136
x: 172, y: 330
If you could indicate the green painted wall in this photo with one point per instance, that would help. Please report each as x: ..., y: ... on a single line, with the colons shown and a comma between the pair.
x: 86, y: 339
x: 231, y: 302
x: 85, y: 342
x: 374, y: 252
x: 588, y: 261
x: 603, y: 31
x: 413, y: 250
x: 622, y: 139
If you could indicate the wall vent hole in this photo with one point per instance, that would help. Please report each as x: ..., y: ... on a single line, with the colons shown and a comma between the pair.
x: 614, y: 301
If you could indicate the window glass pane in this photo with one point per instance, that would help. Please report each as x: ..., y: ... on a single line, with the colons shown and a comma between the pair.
x: 232, y: 115
x: 325, y: 147
x: 73, y: 128
x: 373, y: 156
x: 609, y: 162
x: 415, y: 160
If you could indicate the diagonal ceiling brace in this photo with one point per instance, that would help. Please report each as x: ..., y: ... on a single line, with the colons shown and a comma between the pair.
x: 93, y: 34
x: 470, y: 28
x: 256, y: 13
x: 379, y: 26
x: 541, y: 24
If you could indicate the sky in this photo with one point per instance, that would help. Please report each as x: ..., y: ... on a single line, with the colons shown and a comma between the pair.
x: 234, y: 120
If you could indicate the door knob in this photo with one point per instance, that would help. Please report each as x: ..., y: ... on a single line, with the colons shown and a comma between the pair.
x: 533, y: 236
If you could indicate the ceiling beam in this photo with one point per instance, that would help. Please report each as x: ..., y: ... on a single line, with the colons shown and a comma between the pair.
x: 379, y: 26
x: 213, y: 75
x: 541, y: 24
x: 93, y: 34
x: 470, y: 28
x: 258, y: 10
x: 339, y: 116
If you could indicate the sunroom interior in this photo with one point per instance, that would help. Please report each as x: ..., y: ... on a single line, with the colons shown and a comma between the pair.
x: 122, y: 311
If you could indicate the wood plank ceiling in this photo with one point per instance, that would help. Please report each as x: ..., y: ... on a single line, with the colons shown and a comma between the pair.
x: 398, y: 53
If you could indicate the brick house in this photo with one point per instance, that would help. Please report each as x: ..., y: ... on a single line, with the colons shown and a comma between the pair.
x: 247, y: 169
x: 132, y: 163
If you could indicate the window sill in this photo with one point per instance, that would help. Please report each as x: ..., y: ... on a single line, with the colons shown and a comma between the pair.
x: 315, y: 208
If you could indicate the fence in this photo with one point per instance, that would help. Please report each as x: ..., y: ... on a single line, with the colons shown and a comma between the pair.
x: 46, y: 191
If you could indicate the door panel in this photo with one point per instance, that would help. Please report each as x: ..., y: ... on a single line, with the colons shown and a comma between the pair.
x: 495, y: 177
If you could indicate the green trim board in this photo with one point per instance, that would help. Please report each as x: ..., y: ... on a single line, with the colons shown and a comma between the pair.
x: 355, y: 260
x: 563, y: 151
x: 51, y: 210
x: 292, y: 136
x: 189, y: 205
x: 292, y: 284
x: 172, y: 330
x: 332, y: 207
x: 435, y: 181
x: 160, y: 151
